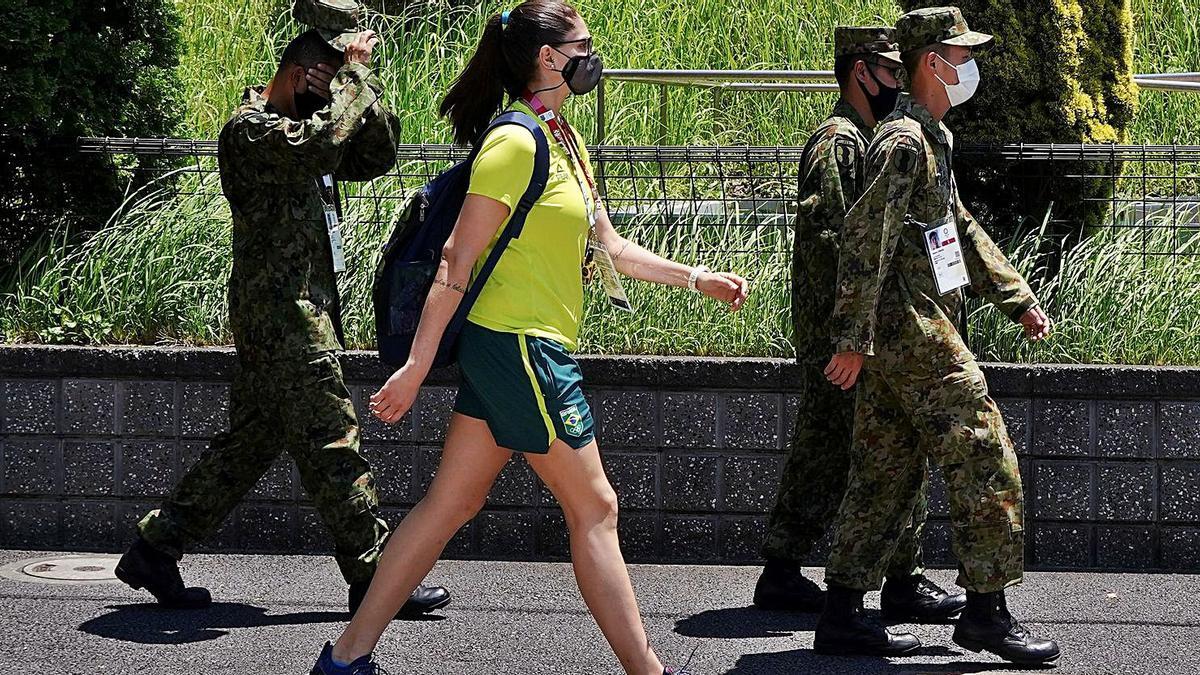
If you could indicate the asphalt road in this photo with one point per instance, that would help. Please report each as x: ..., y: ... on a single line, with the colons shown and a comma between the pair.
x: 273, y: 613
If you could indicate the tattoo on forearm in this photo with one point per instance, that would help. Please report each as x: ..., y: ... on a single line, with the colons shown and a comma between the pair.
x: 618, y: 255
x: 452, y: 286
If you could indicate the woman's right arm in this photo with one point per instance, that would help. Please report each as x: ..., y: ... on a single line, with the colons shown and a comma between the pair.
x: 477, y: 224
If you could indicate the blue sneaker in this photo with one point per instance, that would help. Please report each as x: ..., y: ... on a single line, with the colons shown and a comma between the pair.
x: 681, y: 670
x: 363, y: 665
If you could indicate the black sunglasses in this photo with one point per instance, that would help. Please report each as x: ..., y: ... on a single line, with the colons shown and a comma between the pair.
x: 892, y: 69
x: 588, y: 46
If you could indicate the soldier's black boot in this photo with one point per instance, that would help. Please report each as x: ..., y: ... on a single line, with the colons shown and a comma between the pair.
x: 783, y: 586
x: 918, y: 599
x: 422, y: 601
x: 846, y: 630
x: 986, y: 625
x: 144, y: 566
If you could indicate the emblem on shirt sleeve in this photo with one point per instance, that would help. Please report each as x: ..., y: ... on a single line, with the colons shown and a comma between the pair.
x: 904, y: 157
x: 845, y: 152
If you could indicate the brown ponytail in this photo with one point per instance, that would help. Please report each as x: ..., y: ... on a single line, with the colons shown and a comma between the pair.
x: 503, y: 63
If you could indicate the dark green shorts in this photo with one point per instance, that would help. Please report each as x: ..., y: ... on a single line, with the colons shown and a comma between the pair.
x: 529, y: 390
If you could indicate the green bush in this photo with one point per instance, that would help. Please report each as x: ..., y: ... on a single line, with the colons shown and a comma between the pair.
x: 77, y: 68
x: 1060, y: 71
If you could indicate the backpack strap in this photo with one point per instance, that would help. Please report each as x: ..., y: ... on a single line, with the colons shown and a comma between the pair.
x: 537, y: 186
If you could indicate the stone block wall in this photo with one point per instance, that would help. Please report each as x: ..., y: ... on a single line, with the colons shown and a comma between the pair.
x: 90, y: 439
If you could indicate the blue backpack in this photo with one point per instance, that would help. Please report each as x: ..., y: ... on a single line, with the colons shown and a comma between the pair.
x: 413, y: 253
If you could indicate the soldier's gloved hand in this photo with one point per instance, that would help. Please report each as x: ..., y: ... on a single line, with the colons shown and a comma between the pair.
x: 1037, y: 324
x: 724, y: 286
x: 843, y: 369
x: 319, y: 78
x: 397, y: 395
x: 359, y: 50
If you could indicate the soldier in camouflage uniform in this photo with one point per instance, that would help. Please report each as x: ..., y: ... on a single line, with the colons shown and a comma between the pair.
x: 814, y: 476
x: 319, y: 120
x: 909, y: 247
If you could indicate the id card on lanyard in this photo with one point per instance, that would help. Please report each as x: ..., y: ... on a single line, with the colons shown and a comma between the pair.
x: 333, y: 224
x: 945, y: 255
x: 597, y: 251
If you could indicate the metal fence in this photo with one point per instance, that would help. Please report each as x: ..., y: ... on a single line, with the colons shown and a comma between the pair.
x: 692, y: 202
x: 1153, y: 190
x: 798, y: 81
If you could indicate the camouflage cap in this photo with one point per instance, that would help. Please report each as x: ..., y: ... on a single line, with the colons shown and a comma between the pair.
x: 866, y: 40
x: 335, y: 20
x: 924, y: 27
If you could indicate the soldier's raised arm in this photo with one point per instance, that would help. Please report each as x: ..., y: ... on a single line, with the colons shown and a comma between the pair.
x: 869, y: 239
x: 993, y: 278
x: 372, y: 151
x: 296, y: 150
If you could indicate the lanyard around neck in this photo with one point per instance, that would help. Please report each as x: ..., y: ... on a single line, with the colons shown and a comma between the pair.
x: 564, y: 136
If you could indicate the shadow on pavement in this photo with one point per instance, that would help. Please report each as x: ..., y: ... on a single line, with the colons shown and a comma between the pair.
x: 805, y: 661
x: 147, y: 623
x: 749, y: 622
x: 744, y: 622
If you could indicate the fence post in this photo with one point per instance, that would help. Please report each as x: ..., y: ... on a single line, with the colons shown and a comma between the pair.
x: 663, y: 121
x: 601, y: 131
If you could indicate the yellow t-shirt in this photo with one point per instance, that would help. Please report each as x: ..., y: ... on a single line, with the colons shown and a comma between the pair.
x: 537, y: 287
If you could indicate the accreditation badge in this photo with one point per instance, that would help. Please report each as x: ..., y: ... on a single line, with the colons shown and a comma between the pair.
x: 945, y: 255
x: 335, y: 239
x: 333, y: 224
x: 602, y: 263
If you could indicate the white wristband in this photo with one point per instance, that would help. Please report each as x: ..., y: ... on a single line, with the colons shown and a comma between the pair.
x: 696, y: 272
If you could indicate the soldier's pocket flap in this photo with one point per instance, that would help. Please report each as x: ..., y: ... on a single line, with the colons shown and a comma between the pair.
x: 1011, y: 503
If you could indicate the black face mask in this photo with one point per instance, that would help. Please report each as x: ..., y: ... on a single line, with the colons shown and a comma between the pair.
x: 883, y: 103
x: 582, y: 73
x: 308, y: 103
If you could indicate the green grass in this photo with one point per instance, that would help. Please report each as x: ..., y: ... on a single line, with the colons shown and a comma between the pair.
x: 226, y: 49
x: 1168, y: 41
x: 229, y: 45
x: 157, y: 274
x: 1108, y: 302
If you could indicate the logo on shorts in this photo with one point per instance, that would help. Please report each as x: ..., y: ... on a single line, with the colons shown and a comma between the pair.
x: 572, y: 421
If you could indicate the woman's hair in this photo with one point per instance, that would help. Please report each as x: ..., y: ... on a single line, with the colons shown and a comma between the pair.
x: 503, y: 63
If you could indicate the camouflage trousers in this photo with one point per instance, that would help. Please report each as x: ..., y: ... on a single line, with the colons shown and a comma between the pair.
x: 304, y: 409
x: 903, y: 420
x: 814, y: 479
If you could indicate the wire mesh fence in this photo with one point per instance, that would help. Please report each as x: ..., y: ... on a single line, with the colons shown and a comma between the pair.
x: 728, y: 207
x: 739, y: 201
x: 1153, y: 189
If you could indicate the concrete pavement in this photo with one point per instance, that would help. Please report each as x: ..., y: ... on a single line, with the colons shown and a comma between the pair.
x: 274, y: 612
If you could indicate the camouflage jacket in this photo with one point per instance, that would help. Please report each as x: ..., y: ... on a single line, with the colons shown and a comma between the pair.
x: 888, y: 305
x: 283, y: 299
x: 832, y: 171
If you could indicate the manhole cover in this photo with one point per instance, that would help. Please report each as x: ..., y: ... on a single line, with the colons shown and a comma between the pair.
x: 72, y: 569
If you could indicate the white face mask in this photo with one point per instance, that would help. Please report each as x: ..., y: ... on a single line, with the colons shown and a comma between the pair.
x: 968, y: 81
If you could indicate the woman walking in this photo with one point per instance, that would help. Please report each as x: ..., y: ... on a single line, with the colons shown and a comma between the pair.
x: 521, y: 390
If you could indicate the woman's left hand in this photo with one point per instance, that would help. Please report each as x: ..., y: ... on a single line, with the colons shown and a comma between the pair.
x: 725, y: 287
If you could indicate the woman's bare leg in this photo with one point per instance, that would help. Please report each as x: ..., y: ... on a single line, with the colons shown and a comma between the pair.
x: 576, y: 477
x: 470, y: 463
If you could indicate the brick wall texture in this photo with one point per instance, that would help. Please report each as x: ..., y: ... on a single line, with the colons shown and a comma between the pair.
x: 92, y: 438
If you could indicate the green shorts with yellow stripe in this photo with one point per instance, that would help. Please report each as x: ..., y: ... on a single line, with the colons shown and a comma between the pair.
x: 529, y: 390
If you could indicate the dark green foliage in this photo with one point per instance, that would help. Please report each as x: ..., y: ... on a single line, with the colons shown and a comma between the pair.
x: 1059, y: 71
x: 76, y: 68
